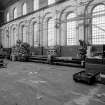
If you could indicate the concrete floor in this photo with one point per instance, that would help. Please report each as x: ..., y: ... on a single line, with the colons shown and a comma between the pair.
x: 42, y: 84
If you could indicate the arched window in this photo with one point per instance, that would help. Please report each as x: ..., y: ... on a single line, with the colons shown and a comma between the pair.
x: 71, y: 29
x: 8, y: 17
x: 24, y: 9
x: 51, y: 2
x: 24, y: 34
x: 15, y: 13
x: 35, y: 27
x: 36, y: 4
x: 51, y: 38
x: 98, y: 25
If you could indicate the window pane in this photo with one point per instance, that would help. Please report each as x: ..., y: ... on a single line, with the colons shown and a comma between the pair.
x: 71, y: 30
x: 15, y: 36
x: 12, y: 38
x: 36, y: 4
x: 35, y: 34
x: 24, y: 34
x: 8, y: 17
x: 51, y: 32
x: 98, y: 25
x: 7, y: 39
x: 15, y: 13
x: 2, y: 35
x: 51, y: 2
x: 24, y: 9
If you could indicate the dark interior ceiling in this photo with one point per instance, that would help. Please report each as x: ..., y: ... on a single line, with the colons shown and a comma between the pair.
x: 6, y: 3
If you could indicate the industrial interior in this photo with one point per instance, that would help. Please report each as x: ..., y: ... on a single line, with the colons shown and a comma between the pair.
x: 52, y: 52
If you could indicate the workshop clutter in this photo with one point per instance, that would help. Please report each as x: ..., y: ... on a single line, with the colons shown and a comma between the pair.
x: 20, y: 52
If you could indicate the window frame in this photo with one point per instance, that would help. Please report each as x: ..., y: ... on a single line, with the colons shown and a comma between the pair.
x: 72, y: 19
x: 35, y: 5
x: 15, y: 15
x: 24, y: 8
x: 92, y: 23
x: 35, y: 34
x: 24, y: 34
x: 8, y: 16
x: 51, y: 44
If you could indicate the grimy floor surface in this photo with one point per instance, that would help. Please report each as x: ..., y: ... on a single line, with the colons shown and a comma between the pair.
x: 41, y: 84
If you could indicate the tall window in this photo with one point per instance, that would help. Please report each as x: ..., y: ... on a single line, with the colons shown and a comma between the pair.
x: 2, y: 37
x: 7, y: 38
x: 36, y: 4
x: 12, y: 38
x: 35, y: 34
x: 24, y: 9
x: 51, y: 32
x: 24, y: 34
x: 15, y: 13
x: 15, y: 36
x: 71, y: 29
x: 8, y: 17
x: 5, y: 42
x: 51, y: 2
x: 98, y: 25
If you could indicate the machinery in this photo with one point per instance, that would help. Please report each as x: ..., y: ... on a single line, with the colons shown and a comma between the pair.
x: 85, y: 77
